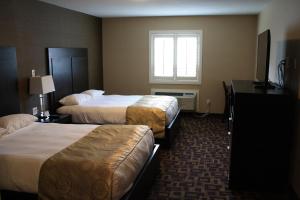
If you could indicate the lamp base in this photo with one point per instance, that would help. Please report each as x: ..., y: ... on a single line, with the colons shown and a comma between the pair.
x: 43, y: 117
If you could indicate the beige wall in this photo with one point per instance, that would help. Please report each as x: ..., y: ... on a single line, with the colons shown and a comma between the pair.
x: 229, y: 44
x: 283, y: 19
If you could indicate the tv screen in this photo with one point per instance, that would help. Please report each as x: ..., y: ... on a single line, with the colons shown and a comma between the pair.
x: 263, y: 57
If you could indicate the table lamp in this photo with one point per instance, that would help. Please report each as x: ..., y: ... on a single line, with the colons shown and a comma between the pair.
x: 41, y: 85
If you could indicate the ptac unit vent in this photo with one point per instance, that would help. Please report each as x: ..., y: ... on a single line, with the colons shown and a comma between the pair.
x: 186, y: 98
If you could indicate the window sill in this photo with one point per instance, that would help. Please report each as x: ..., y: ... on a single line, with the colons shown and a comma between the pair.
x: 177, y: 82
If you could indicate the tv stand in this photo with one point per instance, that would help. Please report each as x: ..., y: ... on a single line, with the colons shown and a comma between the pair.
x: 263, y: 85
x: 259, y: 137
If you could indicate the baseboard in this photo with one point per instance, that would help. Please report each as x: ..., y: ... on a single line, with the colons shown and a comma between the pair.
x: 206, y: 114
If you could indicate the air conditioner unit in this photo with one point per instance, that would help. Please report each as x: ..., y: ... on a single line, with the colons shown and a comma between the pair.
x: 186, y: 98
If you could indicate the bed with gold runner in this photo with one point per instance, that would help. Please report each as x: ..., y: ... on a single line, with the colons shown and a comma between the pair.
x: 151, y: 110
x: 102, y: 165
x: 69, y: 161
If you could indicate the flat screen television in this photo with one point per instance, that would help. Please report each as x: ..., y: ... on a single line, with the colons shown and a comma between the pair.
x: 263, y: 59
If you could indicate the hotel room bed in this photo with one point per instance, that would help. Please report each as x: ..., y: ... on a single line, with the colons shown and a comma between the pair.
x: 28, y: 156
x: 115, y: 109
x: 28, y: 150
x: 69, y: 69
x: 109, y: 109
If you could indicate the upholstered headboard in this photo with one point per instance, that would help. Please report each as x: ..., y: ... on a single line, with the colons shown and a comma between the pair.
x: 69, y: 68
x: 9, y: 93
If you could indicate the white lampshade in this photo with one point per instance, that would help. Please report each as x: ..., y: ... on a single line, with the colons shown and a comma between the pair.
x: 41, y: 84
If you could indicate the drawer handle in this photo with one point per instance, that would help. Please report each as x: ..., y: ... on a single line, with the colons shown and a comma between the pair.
x: 228, y: 147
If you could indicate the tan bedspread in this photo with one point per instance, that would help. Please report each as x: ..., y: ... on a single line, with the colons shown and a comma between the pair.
x: 150, y: 110
x: 101, y: 165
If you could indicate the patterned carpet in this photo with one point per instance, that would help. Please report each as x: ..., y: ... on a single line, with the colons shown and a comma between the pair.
x: 196, y: 166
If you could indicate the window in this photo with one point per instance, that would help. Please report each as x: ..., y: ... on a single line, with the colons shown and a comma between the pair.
x: 175, y: 57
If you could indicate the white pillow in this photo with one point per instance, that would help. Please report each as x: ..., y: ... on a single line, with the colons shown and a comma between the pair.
x: 3, y: 131
x: 94, y: 93
x: 16, y: 121
x: 75, y: 99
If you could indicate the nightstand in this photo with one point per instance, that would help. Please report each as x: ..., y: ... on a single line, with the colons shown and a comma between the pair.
x: 62, y: 119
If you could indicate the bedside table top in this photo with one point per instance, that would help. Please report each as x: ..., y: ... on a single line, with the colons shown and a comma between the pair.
x: 64, y: 119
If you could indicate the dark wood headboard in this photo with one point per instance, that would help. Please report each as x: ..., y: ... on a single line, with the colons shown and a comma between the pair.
x: 9, y: 93
x: 69, y: 68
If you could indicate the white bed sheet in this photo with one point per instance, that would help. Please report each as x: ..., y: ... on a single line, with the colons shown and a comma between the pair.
x: 23, y: 152
x: 105, y: 109
x: 108, y: 109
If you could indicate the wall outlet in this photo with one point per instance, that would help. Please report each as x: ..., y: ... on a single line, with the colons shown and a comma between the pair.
x: 208, y: 101
x: 34, y: 110
x: 33, y: 73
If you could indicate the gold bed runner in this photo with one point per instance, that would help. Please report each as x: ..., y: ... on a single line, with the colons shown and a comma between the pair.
x: 150, y: 110
x: 85, y: 169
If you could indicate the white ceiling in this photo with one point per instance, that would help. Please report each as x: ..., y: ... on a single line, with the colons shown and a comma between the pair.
x: 134, y: 8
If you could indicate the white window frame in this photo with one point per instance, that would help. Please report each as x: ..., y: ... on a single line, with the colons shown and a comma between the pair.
x: 175, y: 80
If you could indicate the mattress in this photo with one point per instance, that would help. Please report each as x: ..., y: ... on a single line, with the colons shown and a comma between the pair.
x: 108, y: 109
x: 23, y: 153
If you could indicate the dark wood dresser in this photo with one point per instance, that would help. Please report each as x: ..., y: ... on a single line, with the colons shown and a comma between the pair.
x: 259, y: 135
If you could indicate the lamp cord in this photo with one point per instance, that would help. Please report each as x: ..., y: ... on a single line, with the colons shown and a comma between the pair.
x: 280, y: 73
